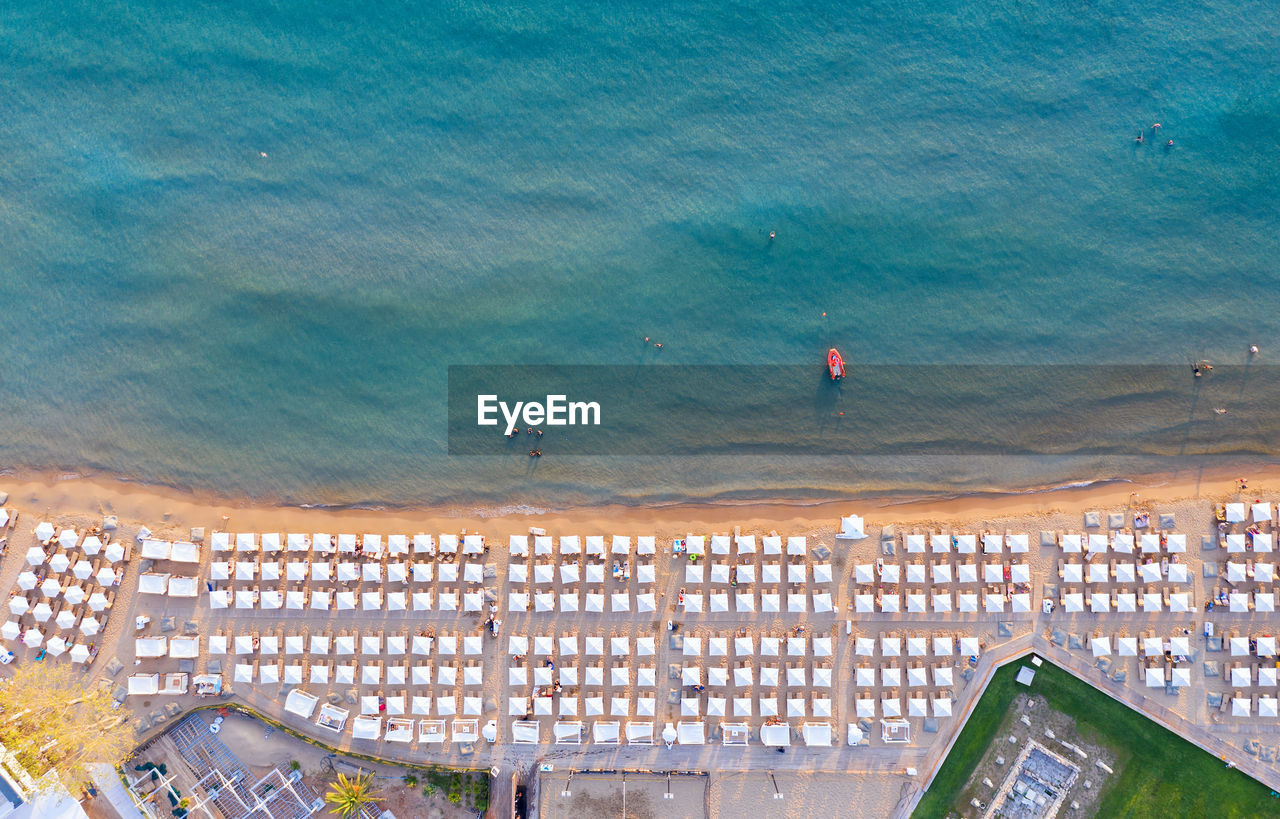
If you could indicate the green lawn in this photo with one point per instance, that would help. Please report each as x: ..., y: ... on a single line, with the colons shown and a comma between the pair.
x: 1159, y: 774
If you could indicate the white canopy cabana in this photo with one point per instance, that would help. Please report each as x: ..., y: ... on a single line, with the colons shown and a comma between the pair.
x: 143, y: 684
x: 852, y: 528
x: 153, y: 583
x: 183, y: 587
x: 156, y: 549
x: 150, y: 647
x: 774, y: 736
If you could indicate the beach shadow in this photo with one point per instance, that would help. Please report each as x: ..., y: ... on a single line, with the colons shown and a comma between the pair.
x: 827, y: 397
x: 1244, y: 375
x: 1191, y: 415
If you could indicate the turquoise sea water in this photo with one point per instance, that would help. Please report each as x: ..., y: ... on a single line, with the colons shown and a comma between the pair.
x: 551, y: 183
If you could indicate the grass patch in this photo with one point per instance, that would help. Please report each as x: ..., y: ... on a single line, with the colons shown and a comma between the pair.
x: 970, y: 745
x: 458, y: 786
x: 1161, y: 774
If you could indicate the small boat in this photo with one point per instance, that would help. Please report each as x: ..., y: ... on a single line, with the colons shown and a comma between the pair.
x: 835, y: 364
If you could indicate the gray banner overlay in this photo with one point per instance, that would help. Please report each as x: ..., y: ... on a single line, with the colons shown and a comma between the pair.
x: 876, y: 410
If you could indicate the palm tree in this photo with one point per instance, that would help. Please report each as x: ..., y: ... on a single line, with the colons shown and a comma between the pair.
x: 350, y: 795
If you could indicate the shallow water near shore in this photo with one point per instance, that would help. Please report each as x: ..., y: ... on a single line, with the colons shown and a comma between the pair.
x: 541, y: 185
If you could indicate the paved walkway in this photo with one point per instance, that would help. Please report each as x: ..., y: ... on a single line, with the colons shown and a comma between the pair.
x: 111, y: 791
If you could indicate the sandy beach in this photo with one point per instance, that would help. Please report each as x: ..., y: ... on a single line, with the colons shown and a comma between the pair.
x: 873, y: 779
x: 59, y: 495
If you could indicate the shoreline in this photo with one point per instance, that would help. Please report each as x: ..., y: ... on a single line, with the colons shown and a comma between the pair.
x: 62, y: 494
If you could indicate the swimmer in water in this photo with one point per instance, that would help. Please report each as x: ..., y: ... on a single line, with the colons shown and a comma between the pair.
x: 1253, y: 349
x: 773, y: 234
x: 1138, y: 138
